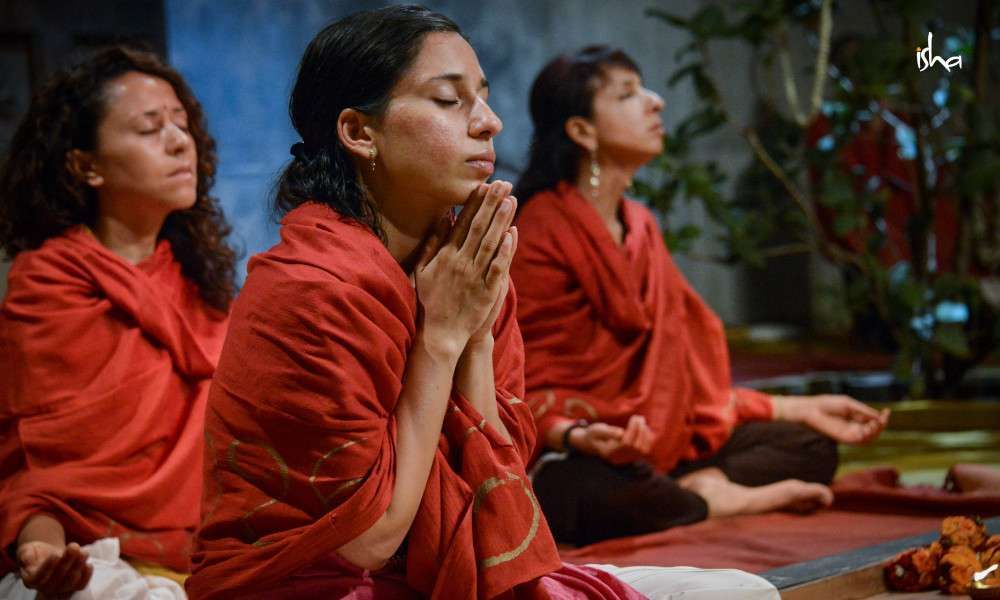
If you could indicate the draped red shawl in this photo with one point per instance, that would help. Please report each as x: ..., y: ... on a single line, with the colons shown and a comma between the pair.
x: 301, y: 441
x: 611, y: 331
x: 105, y: 373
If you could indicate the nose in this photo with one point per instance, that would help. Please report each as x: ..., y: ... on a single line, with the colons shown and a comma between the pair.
x: 177, y: 140
x: 655, y: 100
x: 484, y: 123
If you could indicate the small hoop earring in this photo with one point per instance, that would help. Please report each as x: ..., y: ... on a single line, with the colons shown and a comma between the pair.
x: 371, y: 155
x: 595, y: 174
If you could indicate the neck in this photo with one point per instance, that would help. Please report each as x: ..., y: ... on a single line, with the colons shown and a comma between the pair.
x: 614, y: 180
x: 406, y: 228
x: 404, y: 242
x: 133, y: 241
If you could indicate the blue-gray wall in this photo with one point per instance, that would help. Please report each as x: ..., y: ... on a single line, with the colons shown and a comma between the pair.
x: 240, y: 57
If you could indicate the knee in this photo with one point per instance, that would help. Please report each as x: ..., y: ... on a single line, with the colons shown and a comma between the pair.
x: 821, y: 454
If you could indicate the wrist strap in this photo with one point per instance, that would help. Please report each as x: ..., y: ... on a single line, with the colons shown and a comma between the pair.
x: 565, y: 436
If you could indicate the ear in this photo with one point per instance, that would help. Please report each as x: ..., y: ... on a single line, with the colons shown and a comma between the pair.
x: 356, y: 132
x: 83, y: 167
x: 582, y: 132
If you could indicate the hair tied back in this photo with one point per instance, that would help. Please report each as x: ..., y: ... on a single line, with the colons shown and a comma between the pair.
x: 298, y: 150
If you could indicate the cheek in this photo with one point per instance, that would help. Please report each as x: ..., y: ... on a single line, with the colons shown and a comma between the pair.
x: 418, y: 140
x: 616, y: 128
x: 126, y: 164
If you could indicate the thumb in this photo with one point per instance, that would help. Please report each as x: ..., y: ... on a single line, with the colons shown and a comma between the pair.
x: 31, y: 558
x: 28, y: 555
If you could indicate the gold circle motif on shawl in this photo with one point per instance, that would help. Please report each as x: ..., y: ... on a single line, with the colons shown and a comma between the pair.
x: 327, y: 499
x: 484, y: 489
x: 280, y: 469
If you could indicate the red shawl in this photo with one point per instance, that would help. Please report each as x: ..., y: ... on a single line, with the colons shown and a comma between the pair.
x: 301, y: 450
x: 105, y: 374
x: 611, y: 331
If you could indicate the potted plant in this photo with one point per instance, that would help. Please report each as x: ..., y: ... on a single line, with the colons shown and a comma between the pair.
x: 884, y: 161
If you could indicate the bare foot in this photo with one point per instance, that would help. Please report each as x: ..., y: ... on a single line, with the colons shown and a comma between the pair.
x: 968, y: 477
x: 726, y: 498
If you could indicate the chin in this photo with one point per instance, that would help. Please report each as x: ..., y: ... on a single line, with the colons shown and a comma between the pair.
x: 182, y: 204
x: 462, y: 192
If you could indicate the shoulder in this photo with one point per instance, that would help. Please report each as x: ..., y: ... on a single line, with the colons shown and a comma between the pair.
x: 542, y: 224
x: 323, y: 261
x: 59, y: 265
x: 541, y: 212
x: 640, y: 212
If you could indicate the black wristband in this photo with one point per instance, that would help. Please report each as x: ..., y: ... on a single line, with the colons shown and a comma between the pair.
x: 565, y: 436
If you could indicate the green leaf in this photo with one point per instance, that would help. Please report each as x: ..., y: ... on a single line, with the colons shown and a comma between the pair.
x: 951, y: 339
x: 710, y: 22
x: 685, y: 71
x: 845, y: 223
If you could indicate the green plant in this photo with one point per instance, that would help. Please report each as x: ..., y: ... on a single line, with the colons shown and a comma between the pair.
x: 814, y: 187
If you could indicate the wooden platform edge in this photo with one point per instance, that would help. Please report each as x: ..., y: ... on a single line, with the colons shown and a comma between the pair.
x: 852, y: 585
x: 853, y: 574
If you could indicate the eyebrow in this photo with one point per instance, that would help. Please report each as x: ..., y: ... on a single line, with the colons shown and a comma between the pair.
x: 456, y: 77
x: 156, y: 113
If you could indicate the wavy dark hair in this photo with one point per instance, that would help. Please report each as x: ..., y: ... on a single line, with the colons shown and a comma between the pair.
x: 564, y: 88
x: 354, y: 62
x: 40, y: 198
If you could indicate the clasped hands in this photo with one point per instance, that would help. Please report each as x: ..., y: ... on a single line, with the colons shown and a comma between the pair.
x: 463, y: 274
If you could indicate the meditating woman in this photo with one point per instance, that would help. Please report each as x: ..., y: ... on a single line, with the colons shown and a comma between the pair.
x: 365, y: 429
x: 110, y: 331
x: 627, y: 370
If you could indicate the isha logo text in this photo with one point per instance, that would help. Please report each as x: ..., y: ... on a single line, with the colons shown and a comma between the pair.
x: 926, y: 58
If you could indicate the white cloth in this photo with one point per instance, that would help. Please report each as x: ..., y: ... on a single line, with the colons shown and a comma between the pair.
x: 689, y: 583
x: 113, y: 579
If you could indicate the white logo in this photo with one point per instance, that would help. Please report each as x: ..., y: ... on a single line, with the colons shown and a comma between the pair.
x: 926, y: 58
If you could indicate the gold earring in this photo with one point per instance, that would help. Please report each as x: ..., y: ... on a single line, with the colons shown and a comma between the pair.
x: 371, y: 154
x: 595, y: 174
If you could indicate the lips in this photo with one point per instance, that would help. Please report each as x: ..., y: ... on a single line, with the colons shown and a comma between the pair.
x: 483, y: 162
x: 186, y: 171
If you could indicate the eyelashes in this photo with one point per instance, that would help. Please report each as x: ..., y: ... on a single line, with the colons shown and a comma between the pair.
x: 156, y: 130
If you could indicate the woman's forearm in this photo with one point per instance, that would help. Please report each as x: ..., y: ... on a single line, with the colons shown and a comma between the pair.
x: 474, y: 379
x: 555, y: 433
x: 42, y: 528
x: 420, y: 410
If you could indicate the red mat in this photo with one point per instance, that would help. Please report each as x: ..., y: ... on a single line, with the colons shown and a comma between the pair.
x: 870, y: 510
